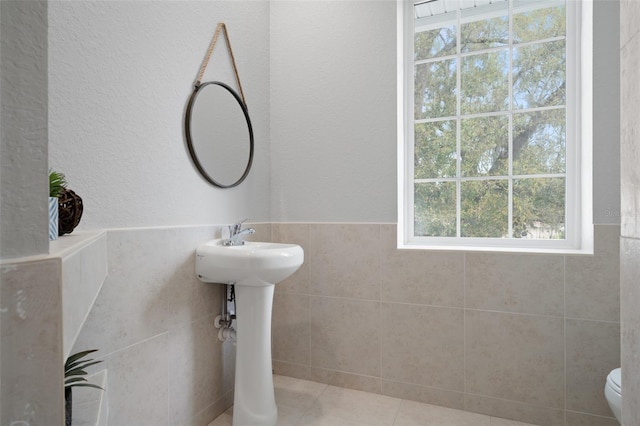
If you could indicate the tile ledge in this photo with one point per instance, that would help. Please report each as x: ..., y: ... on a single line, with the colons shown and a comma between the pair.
x: 84, y: 270
x: 64, y: 246
x: 67, y: 245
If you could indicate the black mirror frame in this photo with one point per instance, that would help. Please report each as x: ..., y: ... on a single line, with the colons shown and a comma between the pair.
x: 187, y: 131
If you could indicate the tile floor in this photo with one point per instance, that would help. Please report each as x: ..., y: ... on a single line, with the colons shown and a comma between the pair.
x: 305, y: 403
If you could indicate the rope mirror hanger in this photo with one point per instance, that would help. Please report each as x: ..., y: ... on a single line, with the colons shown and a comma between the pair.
x: 198, y: 87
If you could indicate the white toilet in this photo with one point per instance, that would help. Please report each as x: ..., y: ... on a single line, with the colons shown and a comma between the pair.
x: 613, y: 393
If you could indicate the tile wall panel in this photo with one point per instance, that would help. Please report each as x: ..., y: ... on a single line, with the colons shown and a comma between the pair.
x: 150, y: 288
x: 593, y: 282
x: 630, y: 301
x: 153, y: 323
x: 344, y: 260
x: 483, y: 332
x: 298, y: 371
x: 424, y: 394
x: 630, y: 206
x: 593, y: 350
x: 297, y: 234
x: 345, y: 335
x: 629, y: 133
x: 346, y: 380
x: 423, y: 345
x: 515, y: 357
x: 140, y: 397
x: 629, y: 22
x: 416, y: 276
x: 31, y: 354
x: 532, y: 284
x: 290, y: 318
x: 197, y: 379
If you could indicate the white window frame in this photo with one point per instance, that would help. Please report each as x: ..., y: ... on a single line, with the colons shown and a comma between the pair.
x: 579, y: 195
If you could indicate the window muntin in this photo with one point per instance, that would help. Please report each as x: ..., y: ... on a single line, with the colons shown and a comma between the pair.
x: 491, y: 166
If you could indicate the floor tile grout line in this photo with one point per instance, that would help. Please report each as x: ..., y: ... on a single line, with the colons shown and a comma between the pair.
x: 315, y: 400
x: 395, y: 418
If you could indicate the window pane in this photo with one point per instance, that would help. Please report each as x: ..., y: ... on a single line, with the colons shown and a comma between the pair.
x: 435, y: 209
x: 489, y: 121
x: 485, y: 146
x: 484, y: 34
x: 435, y: 149
x: 484, y: 207
x: 539, y: 75
x: 435, y: 89
x: 539, y: 142
x: 484, y: 82
x: 434, y: 43
x: 539, y: 24
x: 539, y: 208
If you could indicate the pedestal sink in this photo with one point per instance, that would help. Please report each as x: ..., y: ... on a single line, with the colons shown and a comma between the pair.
x: 254, y: 268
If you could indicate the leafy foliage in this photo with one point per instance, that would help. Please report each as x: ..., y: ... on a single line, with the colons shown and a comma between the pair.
x: 493, y: 119
x: 75, y: 370
x: 57, y: 183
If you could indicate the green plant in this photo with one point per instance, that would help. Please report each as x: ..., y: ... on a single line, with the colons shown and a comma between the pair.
x: 74, y: 370
x: 57, y: 183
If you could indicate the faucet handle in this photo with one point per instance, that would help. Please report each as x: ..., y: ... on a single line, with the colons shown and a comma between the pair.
x: 236, y: 227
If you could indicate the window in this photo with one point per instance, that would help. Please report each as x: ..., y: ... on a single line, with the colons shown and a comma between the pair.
x: 492, y: 154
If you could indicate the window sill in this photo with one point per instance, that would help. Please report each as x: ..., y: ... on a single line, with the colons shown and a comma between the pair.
x: 497, y: 249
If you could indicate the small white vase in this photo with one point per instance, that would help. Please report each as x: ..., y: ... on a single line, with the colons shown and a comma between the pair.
x: 53, y: 218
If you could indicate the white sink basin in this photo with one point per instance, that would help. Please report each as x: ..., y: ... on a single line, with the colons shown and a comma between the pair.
x: 254, y: 268
x: 248, y: 264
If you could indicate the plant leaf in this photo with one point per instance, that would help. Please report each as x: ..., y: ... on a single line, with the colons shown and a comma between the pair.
x: 86, y: 385
x: 76, y: 364
x: 75, y: 357
x: 89, y: 362
x: 74, y: 380
x: 75, y: 372
x: 80, y: 365
x: 57, y: 183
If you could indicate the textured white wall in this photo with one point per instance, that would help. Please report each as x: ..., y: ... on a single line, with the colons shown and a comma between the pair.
x: 606, y: 111
x: 120, y: 74
x: 333, y: 111
x: 23, y: 162
x: 630, y: 183
x: 333, y: 128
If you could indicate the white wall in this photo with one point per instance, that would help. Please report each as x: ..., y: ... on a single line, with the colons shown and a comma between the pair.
x: 333, y: 128
x: 23, y: 143
x: 120, y: 74
x: 606, y: 111
x: 333, y: 111
x: 630, y: 184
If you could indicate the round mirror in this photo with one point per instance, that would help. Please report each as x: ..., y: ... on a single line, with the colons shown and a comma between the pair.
x: 219, y: 134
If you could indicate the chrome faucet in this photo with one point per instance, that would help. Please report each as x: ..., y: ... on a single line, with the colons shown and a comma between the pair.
x: 237, y: 234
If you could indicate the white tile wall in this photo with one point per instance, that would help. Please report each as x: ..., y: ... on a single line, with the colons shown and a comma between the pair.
x: 153, y: 325
x: 630, y: 194
x: 440, y: 340
x: 484, y: 332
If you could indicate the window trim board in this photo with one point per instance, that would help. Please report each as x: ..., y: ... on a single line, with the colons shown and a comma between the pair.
x: 582, y: 210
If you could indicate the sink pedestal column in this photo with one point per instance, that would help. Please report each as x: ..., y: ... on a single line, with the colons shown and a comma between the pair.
x: 254, y: 399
